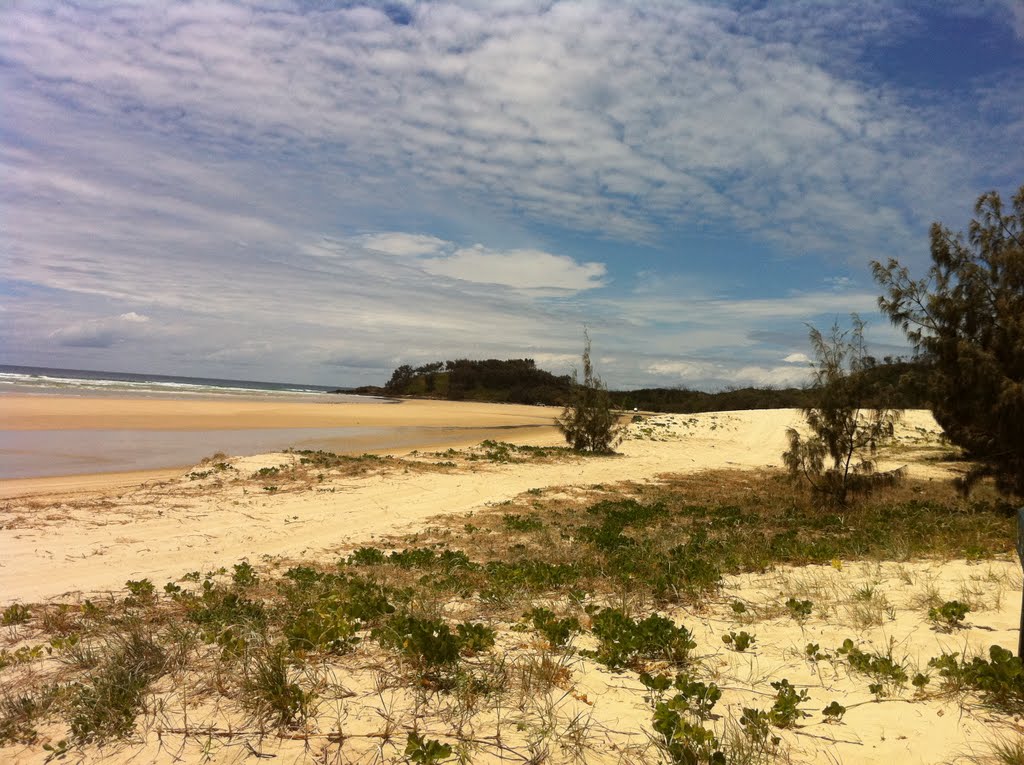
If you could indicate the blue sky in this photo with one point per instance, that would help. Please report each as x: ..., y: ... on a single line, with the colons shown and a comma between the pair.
x: 318, y: 192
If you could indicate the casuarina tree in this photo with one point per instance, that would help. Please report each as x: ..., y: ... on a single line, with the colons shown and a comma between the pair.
x: 588, y: 421
x: 837, y: 457
x: 966, y: 320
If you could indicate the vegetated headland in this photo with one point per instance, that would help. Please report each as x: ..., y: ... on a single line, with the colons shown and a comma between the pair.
x: 896, y: 382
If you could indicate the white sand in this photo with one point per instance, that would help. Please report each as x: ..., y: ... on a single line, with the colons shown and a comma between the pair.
x: 67, y: 541
x: 89, y: 540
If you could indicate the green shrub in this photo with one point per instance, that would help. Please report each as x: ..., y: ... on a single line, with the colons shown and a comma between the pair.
x: 624, y: 642
x: 740, y: 641
x: 786, y: 709
x: 950, y: 615
x: 558, y: 632
x: 324, y: 628
x: 15, y: 614
x: 588, y: 422
x: 426, y: 751
x: 428, y: 643
x: 104, y: 705
x: 888, y: 675
x: 1000, y: 680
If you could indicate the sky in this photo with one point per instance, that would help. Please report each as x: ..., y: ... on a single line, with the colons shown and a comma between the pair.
x: 321, y: 191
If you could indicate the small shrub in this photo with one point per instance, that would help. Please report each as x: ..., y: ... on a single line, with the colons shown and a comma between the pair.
x: 685, y: 742
x: 244, y: 575
x: 323, y: 628
x: 834, y: 712
x: 141, y: 593
x: 740, y: 641
x: 474, y: 638
x: 625, y: 642
x: 786, y: 709
x: 367, y: 556
x: 888, y: 675
x: 588, y: 422
x: 558, y: 632
x: 949, y: 616
x: 426, y: 751
x: 999, y: 680
x: 15, y: 614
x: 799, y: 609
x: 428, y: 643
x: 757, y: 725
x: 845, y: 429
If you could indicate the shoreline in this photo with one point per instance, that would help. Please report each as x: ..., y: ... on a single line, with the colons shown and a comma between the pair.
x: 63, y: 437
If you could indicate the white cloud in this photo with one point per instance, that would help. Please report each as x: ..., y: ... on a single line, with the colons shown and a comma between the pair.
x: 592, y: 116
x: 705, y: 374
x: 520, y: 269
x: 399, y: 243
x: 102, y: 332
x: 797, y: 358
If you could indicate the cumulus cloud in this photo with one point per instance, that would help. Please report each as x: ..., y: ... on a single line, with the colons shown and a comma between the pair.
x: 706, y: 374
x: 522, y: 269
x: 797, y: 358
x: 525, y: 269
x: 399, y: 243
x: 102, y: 332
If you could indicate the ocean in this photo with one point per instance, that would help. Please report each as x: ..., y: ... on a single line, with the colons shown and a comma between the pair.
x: 56, y: 452
x: 88, y: 382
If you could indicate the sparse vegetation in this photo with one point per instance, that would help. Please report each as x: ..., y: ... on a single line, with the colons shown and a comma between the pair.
x: 451, y: 625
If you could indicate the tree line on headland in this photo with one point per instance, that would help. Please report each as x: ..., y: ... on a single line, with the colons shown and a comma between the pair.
x: 894, y: 382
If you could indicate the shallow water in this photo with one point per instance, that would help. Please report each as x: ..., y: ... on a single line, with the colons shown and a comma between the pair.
x: 40, y: 453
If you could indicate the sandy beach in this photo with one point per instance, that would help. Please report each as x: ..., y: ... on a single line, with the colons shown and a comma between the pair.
x: 65, y: 539
x: 72, y: 413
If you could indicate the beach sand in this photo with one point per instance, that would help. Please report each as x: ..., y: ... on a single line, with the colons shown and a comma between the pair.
x: 70, y: 538
x: 90, y: 533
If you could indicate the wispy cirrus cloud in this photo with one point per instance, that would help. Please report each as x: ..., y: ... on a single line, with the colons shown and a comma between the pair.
x: 284, y: 186
x: 611, y: 117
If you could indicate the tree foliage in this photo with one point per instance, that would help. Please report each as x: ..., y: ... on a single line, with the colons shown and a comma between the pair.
x: 516, y: 381
x: 588, y: 421
x: 966, y: 318
x: 846, y: 429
